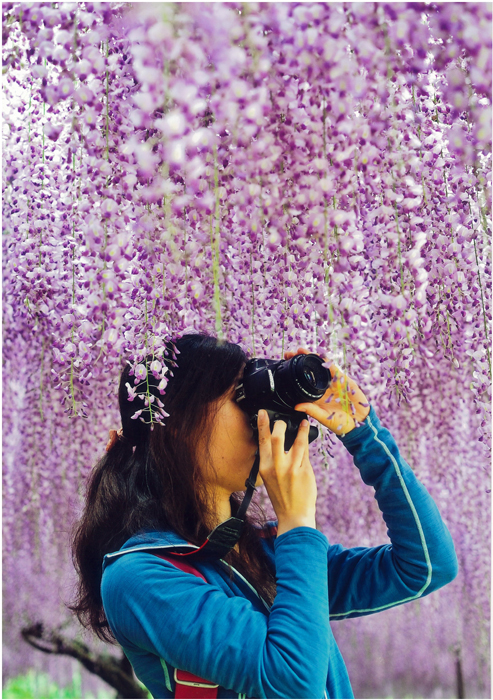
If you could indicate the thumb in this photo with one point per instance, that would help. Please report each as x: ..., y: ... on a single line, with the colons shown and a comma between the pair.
x: 311, y: 409
x: 338, y: 421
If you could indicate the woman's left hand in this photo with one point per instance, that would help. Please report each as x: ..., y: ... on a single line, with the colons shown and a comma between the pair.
x: 342, y: 403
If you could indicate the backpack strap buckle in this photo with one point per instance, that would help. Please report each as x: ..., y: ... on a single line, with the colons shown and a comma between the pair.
x: 187, y: 682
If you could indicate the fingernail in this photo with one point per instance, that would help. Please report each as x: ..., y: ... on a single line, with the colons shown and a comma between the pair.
x: 304, y: 423
x: 261, y: 416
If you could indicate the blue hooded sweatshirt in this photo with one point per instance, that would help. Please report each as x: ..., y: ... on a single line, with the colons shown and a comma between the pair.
x: 221, y: 630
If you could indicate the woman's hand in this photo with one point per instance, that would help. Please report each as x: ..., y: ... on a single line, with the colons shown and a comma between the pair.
x: 288, y: 476
x: 342, y: 403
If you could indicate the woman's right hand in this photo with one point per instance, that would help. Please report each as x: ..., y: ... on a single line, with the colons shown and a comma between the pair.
x: 288, y: 476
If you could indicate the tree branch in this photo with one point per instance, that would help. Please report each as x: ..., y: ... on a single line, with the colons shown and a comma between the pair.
x: 115, y: 672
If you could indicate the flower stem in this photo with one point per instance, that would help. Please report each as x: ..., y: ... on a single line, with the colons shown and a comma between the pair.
x: 262, y: 226
x: 29, y: 129
x: 107, y: 101
x: 76, y: 22
x: 424, y: 190
x: 253, y: 305
x: 145, y: 326
x: 41, y: 380
x: 399, y: 246
x: 215, y: 232
x: 484, y: 310
x: 43, y: 148
x: 445, y: 180
x: 72, y: 392
x: 341, y: 390
x: 73, y: 265
x: 147, y: 372
x: 326, y: 461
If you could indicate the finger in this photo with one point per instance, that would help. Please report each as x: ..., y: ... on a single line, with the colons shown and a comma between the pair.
x: 345, y: 390
x: 334, y: 370
x: 336, y: 420
x: 310, y: 409
x: 290, y: 353
x: 278, y: 439
x: 264, y: 436
x: 340, y: 380
x: 300, y: 445
x: 339, y: 377
x: 305, y: 462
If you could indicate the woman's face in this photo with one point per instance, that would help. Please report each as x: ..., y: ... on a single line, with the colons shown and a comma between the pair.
x: 232, y: 447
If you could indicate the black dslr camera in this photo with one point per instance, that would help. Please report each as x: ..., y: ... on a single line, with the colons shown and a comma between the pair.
x: 278, y: 386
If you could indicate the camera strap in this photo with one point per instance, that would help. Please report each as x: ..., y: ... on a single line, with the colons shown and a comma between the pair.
x: 224, y: 537
x: 250, y: 487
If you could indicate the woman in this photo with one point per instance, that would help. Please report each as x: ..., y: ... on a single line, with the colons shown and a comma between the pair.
x: 256, y: 623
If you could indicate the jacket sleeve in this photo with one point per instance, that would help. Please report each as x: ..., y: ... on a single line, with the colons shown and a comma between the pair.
x: 196, y: 626
x: 420, y: 557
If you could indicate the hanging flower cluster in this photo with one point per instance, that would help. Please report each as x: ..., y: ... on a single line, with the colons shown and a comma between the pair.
x: 275, y: 173
x: 142, y: 369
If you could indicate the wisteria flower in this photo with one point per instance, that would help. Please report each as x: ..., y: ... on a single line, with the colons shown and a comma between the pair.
x: 276, y: 174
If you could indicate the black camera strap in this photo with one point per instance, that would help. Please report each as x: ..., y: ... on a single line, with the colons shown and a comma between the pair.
x: 224, y: 537
x: 250, y: 487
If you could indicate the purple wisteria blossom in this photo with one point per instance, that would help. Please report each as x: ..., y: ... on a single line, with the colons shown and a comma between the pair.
x: 281, y: 175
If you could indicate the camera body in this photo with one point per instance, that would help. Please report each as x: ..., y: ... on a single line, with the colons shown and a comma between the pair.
x: 278, y: 386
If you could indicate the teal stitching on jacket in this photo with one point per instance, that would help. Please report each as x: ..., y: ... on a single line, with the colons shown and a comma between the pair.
x: 242, y: 695
x: 166, y: 674
x: 229, y: 567
x: 420, y: 530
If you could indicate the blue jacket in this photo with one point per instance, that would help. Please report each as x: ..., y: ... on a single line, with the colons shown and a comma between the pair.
x: 221, y: 630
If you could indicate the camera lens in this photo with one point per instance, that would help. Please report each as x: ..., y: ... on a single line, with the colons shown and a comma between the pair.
x: 309, y: 367
x: 310, y: 377
x: 278, y: 386
x: 302, y: 378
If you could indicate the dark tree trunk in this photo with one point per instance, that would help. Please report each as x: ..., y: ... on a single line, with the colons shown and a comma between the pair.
x: 461, y: 693
x: 116, y: 672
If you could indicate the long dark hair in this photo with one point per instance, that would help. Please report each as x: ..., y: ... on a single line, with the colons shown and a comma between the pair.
x: 150, y: 479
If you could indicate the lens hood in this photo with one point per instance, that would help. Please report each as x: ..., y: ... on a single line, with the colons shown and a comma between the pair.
x: 302, y: 378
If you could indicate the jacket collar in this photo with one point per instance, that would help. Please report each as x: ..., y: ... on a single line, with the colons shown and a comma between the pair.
x: 148, y: 540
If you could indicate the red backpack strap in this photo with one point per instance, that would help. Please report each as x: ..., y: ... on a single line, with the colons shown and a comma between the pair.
x: 190, y: 686
x: 268, y: 531
x: 182, y: 564
x: 187, y: 684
